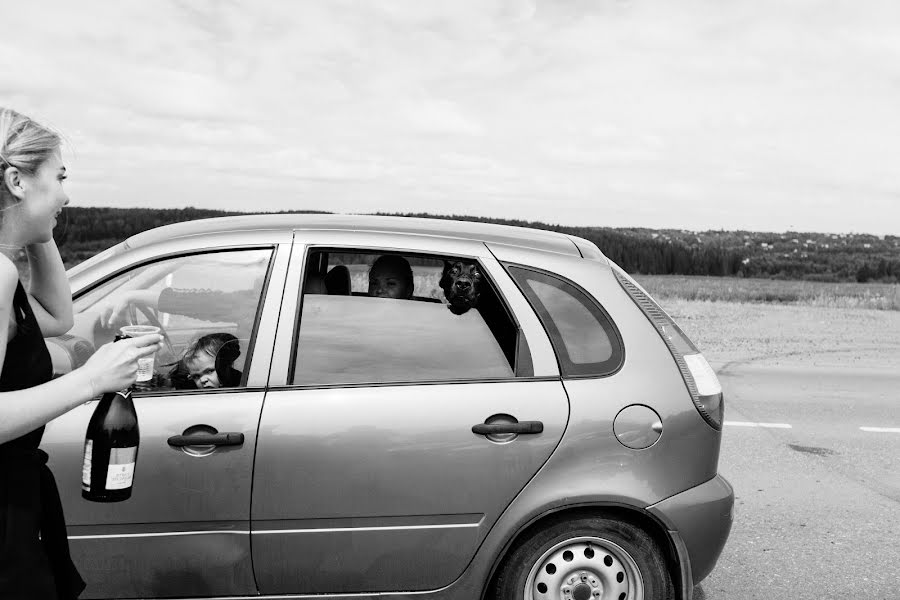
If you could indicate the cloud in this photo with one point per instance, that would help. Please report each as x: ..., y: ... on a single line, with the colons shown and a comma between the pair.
x: 690, y: 113
x: 441, y: 116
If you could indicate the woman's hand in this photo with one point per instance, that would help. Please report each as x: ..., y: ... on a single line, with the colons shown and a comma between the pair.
x: 115, y: 312
x: 114, y: 365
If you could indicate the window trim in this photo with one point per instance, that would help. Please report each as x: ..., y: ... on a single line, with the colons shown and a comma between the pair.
x: 568, y: 369
x: 329, y: 248
x: 380, y: 384
x: 251, y: 346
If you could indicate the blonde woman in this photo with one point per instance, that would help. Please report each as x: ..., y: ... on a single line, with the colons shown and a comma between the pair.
x: 34, y: 552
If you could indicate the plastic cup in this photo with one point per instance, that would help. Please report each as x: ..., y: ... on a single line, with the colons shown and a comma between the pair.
x: 145, y: 364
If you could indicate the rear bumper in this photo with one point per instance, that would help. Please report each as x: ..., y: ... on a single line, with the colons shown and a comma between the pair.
x: 699, y: 521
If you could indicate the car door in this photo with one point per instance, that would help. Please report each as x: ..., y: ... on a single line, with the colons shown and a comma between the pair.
x: 369, y: 476
x: 185, y: 530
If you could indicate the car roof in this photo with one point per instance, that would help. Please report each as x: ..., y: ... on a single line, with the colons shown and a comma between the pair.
x: 536, y: 239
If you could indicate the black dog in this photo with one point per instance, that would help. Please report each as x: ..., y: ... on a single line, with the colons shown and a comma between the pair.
x: 461, y: 282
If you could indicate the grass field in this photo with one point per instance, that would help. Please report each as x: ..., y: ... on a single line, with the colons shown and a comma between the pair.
x: 764, y: 321
x: 879, y: 296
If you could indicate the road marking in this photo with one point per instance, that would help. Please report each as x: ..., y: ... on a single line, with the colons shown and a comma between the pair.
x: 750, y: 424
x: 881, y: 429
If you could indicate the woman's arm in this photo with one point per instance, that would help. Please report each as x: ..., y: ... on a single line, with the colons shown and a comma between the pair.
x: 116, y: 313
x: 25, y: 410
x: 206, y: 305
x: 49, y: 295
x: 210, y: 305
x: 112, y: 367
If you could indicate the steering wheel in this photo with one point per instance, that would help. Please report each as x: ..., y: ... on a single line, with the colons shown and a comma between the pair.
x: 153, y: 320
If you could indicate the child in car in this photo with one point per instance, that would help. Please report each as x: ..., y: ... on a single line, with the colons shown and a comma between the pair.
x: 209, y: 362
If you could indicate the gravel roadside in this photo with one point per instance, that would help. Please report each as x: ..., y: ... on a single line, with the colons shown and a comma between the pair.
x: 791, y: 335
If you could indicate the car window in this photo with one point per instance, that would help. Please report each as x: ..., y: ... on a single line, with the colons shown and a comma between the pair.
x: 204, y: 304
x: 355, y: 267
x: 378, y: 318
x: 585, y: 340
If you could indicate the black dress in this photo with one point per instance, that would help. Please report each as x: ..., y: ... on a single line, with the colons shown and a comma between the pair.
x: 34, y: 549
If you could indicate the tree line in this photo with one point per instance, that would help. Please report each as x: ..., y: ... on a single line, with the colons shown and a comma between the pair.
x: 84, y: 231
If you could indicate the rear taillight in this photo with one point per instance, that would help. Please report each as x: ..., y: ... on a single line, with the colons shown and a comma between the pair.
x: 700, y: 379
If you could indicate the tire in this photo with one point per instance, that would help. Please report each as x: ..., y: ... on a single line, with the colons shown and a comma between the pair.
x: 591, y: 559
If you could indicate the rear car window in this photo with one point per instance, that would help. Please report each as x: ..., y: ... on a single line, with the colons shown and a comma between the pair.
x: 350, y: 339
x: 371, y: 318
x: 585, y: 339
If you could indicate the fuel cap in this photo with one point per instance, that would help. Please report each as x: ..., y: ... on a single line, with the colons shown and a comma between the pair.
x: 637, y: 426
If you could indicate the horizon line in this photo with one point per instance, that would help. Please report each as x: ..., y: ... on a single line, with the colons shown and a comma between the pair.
x: 523, y: 222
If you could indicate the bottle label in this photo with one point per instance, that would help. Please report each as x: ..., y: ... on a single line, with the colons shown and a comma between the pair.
x: 145, y: 368
x: 120, y: 473
x: 86, y: 465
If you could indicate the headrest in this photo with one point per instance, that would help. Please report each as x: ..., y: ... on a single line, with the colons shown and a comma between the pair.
x: 337, y: 281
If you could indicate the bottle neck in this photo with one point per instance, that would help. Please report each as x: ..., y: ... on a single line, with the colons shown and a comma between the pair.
x: 124, y: 397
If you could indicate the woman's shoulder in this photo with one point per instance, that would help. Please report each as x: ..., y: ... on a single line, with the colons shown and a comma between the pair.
x: 9, y: 275
x: 9, y: 279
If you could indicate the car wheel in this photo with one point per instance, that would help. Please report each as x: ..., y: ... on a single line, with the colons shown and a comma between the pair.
x: 585, y: 559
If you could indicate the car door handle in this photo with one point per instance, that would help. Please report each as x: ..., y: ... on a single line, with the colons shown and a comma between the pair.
x: 520, y: 427
x: 207, y: 439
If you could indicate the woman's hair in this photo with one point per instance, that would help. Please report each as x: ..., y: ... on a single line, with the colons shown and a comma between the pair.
x: 221, y: 346
x: 24, y: 143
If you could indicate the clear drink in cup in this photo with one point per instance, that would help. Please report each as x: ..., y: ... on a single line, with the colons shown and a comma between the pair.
x: 145, y: 365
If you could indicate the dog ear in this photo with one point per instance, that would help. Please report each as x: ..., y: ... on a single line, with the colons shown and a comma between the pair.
x: 444, y: 283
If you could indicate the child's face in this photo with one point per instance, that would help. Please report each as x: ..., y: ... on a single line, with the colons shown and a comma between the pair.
x: 202, y: 371
x: 387, y: 282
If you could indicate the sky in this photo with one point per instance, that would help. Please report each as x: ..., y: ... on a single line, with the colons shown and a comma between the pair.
x: 767, y: 115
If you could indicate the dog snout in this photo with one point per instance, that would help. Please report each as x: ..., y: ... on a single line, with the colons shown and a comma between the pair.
x: 463, y: 285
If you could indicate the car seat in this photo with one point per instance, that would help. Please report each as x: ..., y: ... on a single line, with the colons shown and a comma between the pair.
x: 314, y: 284
x: 337, y: 281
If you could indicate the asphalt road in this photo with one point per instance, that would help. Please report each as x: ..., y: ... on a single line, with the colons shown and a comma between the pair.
x: 817, y: 498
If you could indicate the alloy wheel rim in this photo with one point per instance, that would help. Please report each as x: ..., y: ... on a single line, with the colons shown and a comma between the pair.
x: 585, y: 568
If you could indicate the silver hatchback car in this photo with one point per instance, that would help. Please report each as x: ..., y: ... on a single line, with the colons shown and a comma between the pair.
x: 410, y: 408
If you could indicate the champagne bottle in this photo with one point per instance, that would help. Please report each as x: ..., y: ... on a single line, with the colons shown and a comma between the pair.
x: 110, y: 448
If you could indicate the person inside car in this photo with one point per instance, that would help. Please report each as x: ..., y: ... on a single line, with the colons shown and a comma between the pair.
x: 391, y: 277
x: 209, y: 362
x: 238, y: 306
